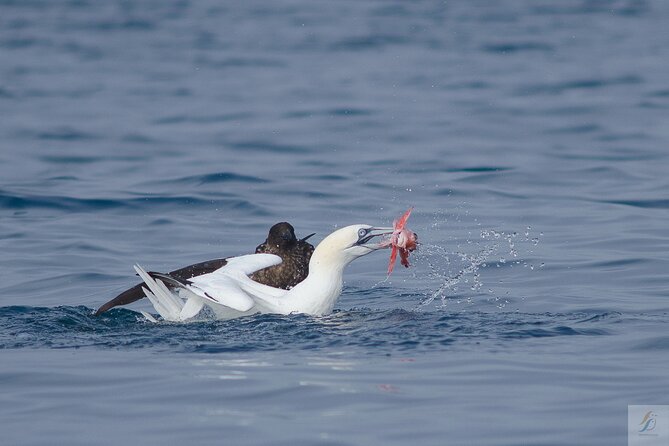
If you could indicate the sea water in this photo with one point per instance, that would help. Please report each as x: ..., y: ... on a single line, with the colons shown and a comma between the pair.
x: 531, y: 137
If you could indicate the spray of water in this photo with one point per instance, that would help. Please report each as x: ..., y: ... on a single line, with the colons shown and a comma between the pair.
x: 452, y: 271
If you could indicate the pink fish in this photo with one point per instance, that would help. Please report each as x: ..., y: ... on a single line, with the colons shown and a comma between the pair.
x: 402, y: 240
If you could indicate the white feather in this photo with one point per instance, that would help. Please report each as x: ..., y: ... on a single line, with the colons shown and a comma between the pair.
x: 218, y: 288
x: 222, y: 290
x: 191, y: 308
x: 250, y: 263
x: 166, y: 303
x: 149, y: 317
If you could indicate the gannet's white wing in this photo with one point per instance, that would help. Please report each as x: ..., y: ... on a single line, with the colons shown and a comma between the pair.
x: 166, y: 302
x: 222, y: 287
x: 222, y: 290
x: 249, y: 263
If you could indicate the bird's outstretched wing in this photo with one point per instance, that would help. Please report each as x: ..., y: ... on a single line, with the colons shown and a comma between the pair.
x: 177, y: 300
x: 182, y: 274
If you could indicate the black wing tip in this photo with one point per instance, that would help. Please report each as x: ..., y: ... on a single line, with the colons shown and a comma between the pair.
x: 100, y: 310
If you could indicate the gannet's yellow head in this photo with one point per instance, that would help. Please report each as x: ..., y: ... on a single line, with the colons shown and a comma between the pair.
x: 347, y: 244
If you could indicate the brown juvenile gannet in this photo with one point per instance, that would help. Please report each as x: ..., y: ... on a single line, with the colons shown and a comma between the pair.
x: 281, y: 241
x: 295, y: 254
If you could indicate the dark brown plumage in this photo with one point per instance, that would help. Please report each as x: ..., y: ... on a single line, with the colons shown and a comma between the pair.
x: 295, y: 254
x: 281, y: 241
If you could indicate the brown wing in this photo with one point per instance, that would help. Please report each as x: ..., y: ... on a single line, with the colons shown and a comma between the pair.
x: 182, y: 274
x: 188, y: 272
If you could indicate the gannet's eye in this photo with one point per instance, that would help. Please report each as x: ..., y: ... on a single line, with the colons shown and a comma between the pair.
x: 362, y: 232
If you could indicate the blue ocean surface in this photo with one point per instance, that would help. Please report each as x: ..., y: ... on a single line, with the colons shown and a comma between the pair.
x: 532, y: 138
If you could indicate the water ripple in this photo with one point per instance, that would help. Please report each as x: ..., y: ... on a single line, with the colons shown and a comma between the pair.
x: 557, y: 88
x: 645, y: 204
x: 202, y: 119
x: 266, y: 146
x: 369, y: 42
x: 218, y: 177
x: 65, y: 134
x: 389, y: 330
x: 17, y: 201
x: 516, y: 47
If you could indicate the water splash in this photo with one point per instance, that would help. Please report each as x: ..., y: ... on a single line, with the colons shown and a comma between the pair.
x: 455, y: 270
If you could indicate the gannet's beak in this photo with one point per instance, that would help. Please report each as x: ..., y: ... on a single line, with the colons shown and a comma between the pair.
x: 372, y: 233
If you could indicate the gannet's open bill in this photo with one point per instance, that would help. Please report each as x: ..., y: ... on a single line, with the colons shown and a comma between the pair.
x: 281, y: 241
x: 229, y: 291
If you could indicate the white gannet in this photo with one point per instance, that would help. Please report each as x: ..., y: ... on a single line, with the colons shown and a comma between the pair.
x: 230, y: 293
